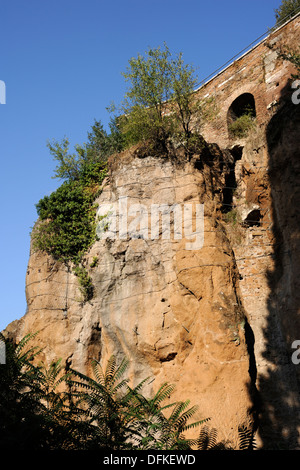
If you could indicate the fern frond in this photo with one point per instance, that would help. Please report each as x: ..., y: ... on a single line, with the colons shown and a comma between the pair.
x: 23, y: 342
x: 246, y: 437
x: 207, y: 438
x: 53, y: 371
x: 178, y: 416
x: 133, y: 393
x: 167, y: 406
x: 195, y: 424
x: 164, y: 391
x: 119, y: 386
x: 121, y: 369
x: 98, y: 372
x: 110, y: 370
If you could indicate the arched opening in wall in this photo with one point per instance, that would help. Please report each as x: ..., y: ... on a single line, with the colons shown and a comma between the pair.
x: 241, y: 116
x: 253, y: 219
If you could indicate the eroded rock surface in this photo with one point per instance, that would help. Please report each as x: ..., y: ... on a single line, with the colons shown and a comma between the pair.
x: 175, y: 313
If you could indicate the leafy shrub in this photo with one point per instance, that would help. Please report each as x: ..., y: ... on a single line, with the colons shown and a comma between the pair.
x: 56, y: 408
x: 33, y: 415
x: 85, y: 282
x: 241, y: 126
x: 67, y: 222
x: 160, y: 100
x: 287, y: 9
x: 232, y: 217
x: 49, y: 408
x: 100, y: 145
x: 293, y: 56
x: 66, y: 227
x: 95, y: 262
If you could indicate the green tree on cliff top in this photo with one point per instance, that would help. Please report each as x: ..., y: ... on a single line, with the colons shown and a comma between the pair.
x: 159, y: 102
x: 286, y: 10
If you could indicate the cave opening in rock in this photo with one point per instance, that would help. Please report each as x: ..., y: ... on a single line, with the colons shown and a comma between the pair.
x: 230, y: 180
x: 253, y: 219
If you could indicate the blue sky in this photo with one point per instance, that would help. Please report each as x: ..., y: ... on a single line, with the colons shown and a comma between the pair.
x: 61, y: 62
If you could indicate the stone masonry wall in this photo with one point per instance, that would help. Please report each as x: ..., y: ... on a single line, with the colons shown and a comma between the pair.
x: 260, y: 72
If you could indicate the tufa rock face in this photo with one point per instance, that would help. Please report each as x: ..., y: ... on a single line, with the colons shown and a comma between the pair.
x: 217, y: 320
x: 175, y: 313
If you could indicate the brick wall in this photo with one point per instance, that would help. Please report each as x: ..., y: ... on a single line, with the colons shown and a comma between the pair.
x: 260, y: 72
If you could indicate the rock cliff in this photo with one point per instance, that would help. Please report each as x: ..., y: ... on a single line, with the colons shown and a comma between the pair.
x: 217, y: 318
x: 176, y: 313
